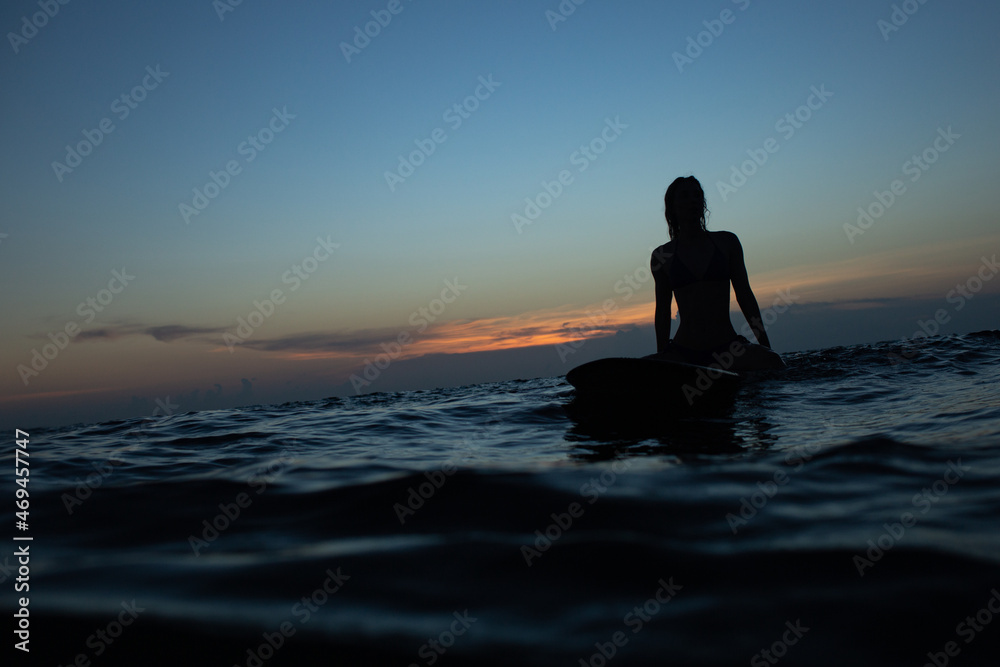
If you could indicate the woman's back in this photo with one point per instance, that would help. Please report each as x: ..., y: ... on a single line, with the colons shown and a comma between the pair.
x: 697, y: 268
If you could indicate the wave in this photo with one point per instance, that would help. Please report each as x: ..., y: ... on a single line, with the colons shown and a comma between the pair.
x: 848, y: 504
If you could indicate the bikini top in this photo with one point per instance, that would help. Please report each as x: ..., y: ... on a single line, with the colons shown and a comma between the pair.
x: 717, y: 269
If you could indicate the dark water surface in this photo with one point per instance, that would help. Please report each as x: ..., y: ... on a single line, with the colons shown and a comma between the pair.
x: 843, y: 513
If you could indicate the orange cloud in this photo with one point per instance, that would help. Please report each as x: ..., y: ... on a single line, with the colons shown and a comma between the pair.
x: 541, y: 327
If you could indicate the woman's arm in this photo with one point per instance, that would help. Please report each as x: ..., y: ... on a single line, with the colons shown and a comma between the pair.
x: 664, y: 295
x: 744, y: 295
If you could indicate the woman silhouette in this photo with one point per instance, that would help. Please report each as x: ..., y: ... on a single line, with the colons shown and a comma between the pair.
x: 696, y: 267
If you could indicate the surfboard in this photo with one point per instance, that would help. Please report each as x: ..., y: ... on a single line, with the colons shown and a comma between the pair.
x: 646, y: 378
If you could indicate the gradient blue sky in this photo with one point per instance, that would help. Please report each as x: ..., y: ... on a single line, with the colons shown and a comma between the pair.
x: 323, y: 176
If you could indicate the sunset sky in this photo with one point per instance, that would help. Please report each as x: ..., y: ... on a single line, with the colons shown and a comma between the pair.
x: 466, y: 177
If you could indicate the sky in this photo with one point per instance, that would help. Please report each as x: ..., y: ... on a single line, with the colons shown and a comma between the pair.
x: 212, y: 204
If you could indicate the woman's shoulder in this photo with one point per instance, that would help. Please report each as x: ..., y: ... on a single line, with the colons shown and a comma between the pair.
x: 725, y: 239
x: 661, y: 258
x: 665, y: 250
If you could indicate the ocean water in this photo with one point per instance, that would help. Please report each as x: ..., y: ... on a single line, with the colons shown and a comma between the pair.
x: 844, y: 512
